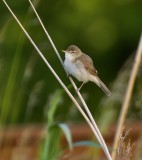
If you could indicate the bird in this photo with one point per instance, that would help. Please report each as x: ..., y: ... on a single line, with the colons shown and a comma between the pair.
x: 80, y: 66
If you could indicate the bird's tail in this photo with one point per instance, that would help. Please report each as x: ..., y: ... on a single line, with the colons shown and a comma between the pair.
x: 101, y: 85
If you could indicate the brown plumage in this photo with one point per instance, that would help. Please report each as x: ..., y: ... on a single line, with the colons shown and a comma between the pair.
x: 88, y: 64
x: 80, y: 65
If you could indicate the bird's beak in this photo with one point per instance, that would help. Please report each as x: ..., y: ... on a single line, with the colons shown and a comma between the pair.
x: 64, y: 51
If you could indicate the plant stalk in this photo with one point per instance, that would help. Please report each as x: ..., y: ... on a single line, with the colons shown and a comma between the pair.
x: 128, y: 95
x: 101, y: 140
x: 95, y: 131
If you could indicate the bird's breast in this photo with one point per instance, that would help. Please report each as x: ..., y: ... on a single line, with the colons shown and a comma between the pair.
x: 76, y: 68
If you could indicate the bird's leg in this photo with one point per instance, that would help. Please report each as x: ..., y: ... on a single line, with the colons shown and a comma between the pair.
x: 80, y: 86
x: 68, y: 75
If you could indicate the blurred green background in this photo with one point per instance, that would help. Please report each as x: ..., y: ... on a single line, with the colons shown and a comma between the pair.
x: 108, y: 31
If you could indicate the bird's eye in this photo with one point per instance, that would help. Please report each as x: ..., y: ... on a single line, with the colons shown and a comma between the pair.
x: 70, y: 51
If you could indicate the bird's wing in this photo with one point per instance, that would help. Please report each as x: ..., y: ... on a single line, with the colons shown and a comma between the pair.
x: 88, y: 64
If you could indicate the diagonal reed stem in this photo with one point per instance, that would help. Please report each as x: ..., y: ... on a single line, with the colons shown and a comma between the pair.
x: 93, y: 125
x: 51, y: 69
x: 127, y: 98
x: 71, y: 80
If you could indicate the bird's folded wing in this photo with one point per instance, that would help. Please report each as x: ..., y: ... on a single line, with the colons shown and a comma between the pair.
x: 88, y: 64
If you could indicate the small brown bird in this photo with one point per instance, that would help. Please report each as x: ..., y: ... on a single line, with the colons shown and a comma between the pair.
x: 80, y: 65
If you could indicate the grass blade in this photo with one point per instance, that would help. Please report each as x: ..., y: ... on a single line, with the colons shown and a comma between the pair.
x: 67, y: 134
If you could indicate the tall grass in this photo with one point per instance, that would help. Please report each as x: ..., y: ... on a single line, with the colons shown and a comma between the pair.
x: 51, y: 146
x: 13, y: 79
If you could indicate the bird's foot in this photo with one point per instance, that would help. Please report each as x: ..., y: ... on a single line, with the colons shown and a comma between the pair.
x: 78, y: 89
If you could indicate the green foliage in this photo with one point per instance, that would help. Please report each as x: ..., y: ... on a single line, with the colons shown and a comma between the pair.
x: 51, y: 146
x: 87, y: 143
x: 13, y: 71
x: 67, y: 134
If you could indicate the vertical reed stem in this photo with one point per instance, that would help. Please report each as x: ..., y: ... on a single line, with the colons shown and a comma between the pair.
x: 127, y: 98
